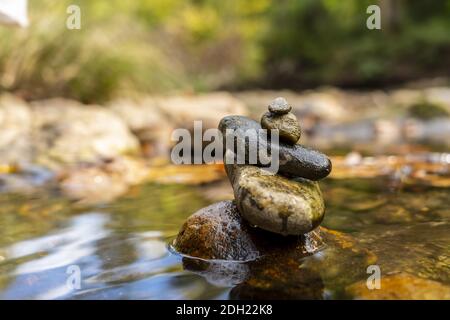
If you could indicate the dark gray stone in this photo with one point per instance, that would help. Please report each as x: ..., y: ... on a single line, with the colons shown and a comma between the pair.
x: 294, y: 160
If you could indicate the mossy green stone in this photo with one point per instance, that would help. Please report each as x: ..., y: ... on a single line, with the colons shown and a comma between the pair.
x: 286, y: 124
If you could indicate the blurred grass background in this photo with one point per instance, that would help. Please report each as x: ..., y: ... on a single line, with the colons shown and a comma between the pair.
x: 127, y: 47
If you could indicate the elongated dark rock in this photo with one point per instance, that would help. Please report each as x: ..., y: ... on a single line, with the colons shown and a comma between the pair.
x: 294, y: 160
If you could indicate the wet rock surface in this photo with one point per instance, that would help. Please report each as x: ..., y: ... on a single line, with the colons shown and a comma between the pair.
x: 404, y: 249
x: 219, y: 232
x: 216, y: 232
x: 275, y: 203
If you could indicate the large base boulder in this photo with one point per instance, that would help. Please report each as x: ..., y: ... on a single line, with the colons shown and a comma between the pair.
x: 221, y: 247
x: 219, y: 232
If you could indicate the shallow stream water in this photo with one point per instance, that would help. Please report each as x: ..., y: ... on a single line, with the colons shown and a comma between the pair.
x: 121, y: 250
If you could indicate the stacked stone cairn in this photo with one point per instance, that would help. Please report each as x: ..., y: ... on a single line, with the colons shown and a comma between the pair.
x: 288, y: 203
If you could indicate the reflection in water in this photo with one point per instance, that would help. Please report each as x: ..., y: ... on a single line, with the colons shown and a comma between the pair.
x: 219, y: 273
x: 289, y: 273
x: 44, y: 275
x: 266, y: 278
x: 62, y: 248
x: 122, y: 250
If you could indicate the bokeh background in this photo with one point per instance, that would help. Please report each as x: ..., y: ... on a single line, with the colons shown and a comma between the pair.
x: 199, y: 45
x: 86, y: 118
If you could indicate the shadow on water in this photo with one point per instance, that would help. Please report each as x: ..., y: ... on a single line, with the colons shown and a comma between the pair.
x: 122, y: 249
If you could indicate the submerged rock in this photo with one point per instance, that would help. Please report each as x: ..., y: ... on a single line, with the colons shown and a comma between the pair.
x: 401, y: 286
x: 285, y: 271
x: 294, y: 160
x: 275, y: 203
x: 219, y: 232
x: 286, y: 124
x: 418, y: 248
x: 279, y: 278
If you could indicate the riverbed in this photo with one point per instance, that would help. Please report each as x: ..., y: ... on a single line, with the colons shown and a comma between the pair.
x: 51, y: 248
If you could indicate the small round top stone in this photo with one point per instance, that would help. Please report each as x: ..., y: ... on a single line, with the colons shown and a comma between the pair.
x: 279, y: 106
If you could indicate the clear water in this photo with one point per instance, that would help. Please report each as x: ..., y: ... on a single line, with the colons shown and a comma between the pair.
x: 122, y: 251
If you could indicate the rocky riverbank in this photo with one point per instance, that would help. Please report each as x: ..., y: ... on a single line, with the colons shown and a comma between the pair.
x: 113, y: 147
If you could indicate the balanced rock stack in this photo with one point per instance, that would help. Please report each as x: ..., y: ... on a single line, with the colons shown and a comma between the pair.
x: 280, y: 118
x: 288, y: 203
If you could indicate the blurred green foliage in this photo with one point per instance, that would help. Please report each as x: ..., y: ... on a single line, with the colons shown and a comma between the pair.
x: 314, y: 42
x: 123, y: 46
x: 198, y: 45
